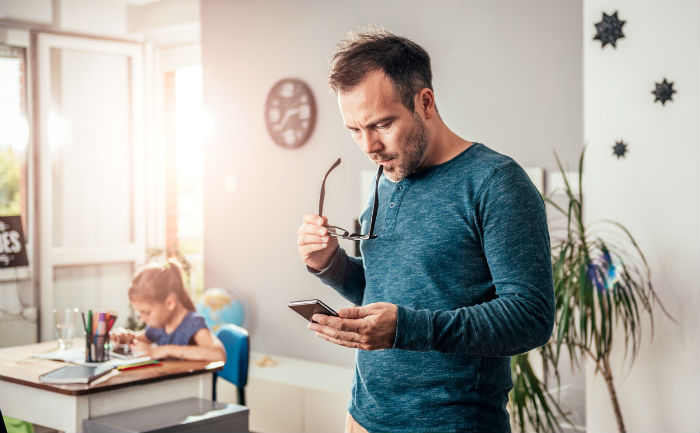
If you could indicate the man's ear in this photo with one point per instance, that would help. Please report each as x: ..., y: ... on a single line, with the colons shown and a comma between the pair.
x: 425, y: 103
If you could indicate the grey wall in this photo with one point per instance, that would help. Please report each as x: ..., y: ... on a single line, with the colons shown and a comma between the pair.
x: 508, y: 74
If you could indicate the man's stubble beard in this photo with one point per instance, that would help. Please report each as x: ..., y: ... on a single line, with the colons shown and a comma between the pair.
x: 414, y: 151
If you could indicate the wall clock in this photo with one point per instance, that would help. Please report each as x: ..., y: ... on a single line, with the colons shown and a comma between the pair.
x: 290, y: 112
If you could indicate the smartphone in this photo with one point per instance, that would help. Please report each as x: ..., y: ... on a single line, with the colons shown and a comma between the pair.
x: 308, y: 307
x: 124, y: 351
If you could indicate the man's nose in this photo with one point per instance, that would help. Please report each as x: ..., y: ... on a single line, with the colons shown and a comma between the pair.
x: 371, y: 143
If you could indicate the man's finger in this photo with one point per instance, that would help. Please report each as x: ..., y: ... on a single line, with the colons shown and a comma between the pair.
x: 312, y: 229
x: 335, y: 333
x: 310, y: 218
x: 350, y: 344
x: 310, y: 248
x: 353, y: 313
x: 341, y: 324
x: 306, y: 239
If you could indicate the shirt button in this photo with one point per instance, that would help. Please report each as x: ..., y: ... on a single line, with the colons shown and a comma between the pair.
x: 399, y: 188
x: 392, y: 204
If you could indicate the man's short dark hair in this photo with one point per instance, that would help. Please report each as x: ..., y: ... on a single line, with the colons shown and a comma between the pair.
x: 406, y: 63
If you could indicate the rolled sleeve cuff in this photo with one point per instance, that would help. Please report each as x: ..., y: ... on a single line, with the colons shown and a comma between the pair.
x: 332, y: 270
x: 414, y: 329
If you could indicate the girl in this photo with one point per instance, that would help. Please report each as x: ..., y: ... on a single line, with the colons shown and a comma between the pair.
x: 158, y: 294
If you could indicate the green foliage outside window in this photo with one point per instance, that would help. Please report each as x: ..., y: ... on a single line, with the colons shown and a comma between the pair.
x: 9, y: 183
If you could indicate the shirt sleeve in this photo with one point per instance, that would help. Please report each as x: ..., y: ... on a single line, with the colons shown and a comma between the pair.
x: 152, y: 334
x: 194, y: 324
x: 512, y: 224
x: 345, y: 274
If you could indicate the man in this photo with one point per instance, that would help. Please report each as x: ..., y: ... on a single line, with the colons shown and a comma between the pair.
x: 459, y: 276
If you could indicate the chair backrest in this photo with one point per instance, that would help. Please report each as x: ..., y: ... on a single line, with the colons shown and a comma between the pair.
x: 237, y: 345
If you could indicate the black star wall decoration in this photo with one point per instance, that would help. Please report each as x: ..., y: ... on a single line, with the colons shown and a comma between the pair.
x: 609, y: 30
x: 620, y: 149
x: 663, y: 92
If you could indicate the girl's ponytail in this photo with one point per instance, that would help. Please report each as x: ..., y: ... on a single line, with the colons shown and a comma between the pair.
x: 178, y: 285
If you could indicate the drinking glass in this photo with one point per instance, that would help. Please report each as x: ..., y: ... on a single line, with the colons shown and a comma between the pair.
x: 65, y: 320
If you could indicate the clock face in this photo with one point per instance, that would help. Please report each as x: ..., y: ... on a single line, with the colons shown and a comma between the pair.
x: 290, y: 112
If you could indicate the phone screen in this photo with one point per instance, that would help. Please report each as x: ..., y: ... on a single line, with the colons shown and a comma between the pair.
x: 307, y: 308
x: 122, y: 349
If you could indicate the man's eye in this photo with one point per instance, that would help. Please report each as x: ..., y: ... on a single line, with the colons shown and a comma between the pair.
x: 383, y: 125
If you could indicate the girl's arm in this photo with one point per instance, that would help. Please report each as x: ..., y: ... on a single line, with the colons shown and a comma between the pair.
x: 207, y: 347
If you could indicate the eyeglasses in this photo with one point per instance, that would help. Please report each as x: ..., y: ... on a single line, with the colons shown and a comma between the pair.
x: 342, y: 233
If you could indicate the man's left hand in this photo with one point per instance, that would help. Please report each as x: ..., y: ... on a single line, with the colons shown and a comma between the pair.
x: 370, y: 327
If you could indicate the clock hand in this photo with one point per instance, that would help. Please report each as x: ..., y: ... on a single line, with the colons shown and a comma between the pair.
x: 289, y: 113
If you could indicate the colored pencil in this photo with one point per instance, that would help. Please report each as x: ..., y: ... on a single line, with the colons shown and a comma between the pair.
x: 151, y: 363
x: 89, y: 324
x: 110, y: 322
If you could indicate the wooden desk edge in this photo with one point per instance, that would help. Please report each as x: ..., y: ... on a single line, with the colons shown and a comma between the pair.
x: 211, y: 367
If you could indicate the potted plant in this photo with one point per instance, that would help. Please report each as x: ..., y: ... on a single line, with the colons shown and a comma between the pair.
x: 601, y: 286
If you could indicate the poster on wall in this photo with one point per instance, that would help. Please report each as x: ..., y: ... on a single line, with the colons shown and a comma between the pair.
x: 12, y: 247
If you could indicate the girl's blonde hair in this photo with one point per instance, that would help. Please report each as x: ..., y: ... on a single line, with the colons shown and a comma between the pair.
x: 154, y: 282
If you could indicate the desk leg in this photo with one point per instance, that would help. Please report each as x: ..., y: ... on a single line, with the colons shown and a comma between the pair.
x: 82, y: 411
x: 69, y: 413
x: 205, y: 386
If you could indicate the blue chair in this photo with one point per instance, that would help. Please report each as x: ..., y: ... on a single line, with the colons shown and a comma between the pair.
x: 237, y: 345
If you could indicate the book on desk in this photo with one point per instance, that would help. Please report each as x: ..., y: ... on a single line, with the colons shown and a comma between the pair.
x: 75, y: 374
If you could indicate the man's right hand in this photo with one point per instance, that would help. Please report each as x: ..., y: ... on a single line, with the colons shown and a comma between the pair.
x: 316, y: 247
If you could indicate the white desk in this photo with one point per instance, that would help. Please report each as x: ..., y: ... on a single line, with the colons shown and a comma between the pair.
x: 64, y: 407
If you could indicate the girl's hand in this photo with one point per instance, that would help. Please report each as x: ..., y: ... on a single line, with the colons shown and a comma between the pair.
x: 122, y: 336
x: 143, y: 347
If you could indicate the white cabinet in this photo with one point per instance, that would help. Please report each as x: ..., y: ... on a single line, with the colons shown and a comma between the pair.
x: 294, y: 396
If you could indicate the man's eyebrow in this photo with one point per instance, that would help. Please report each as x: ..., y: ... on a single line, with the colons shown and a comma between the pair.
x: 376, y: 122
x: 382, y: 120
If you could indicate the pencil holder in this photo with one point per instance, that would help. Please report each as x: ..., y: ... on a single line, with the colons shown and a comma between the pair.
x: 97, y: 348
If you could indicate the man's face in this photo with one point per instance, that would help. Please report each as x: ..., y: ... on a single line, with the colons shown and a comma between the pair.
x: 386, y: 131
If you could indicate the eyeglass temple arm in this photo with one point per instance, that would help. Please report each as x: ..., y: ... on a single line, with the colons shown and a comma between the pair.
x: 323, y: 187
x: 376, y: 200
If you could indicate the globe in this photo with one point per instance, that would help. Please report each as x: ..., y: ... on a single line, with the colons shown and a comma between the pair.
x: 220, y: 306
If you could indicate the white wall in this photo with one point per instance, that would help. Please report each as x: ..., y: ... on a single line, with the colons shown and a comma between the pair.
x: 505, y: 73
x: 655, y: 193
x: 166, y: 23
x: 101, y: 17
x: 34, y: 11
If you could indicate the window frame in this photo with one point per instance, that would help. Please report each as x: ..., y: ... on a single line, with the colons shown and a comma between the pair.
x: 50, y: 256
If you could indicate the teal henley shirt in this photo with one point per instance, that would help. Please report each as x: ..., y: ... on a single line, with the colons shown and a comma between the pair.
x: 463, y: 250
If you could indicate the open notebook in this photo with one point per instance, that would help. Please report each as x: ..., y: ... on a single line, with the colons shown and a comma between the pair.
x: 75, y: 374
x: 76, y: 355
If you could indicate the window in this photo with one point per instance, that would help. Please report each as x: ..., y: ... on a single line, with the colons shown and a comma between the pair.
x: 15, y: 134
x: 185, y: 129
